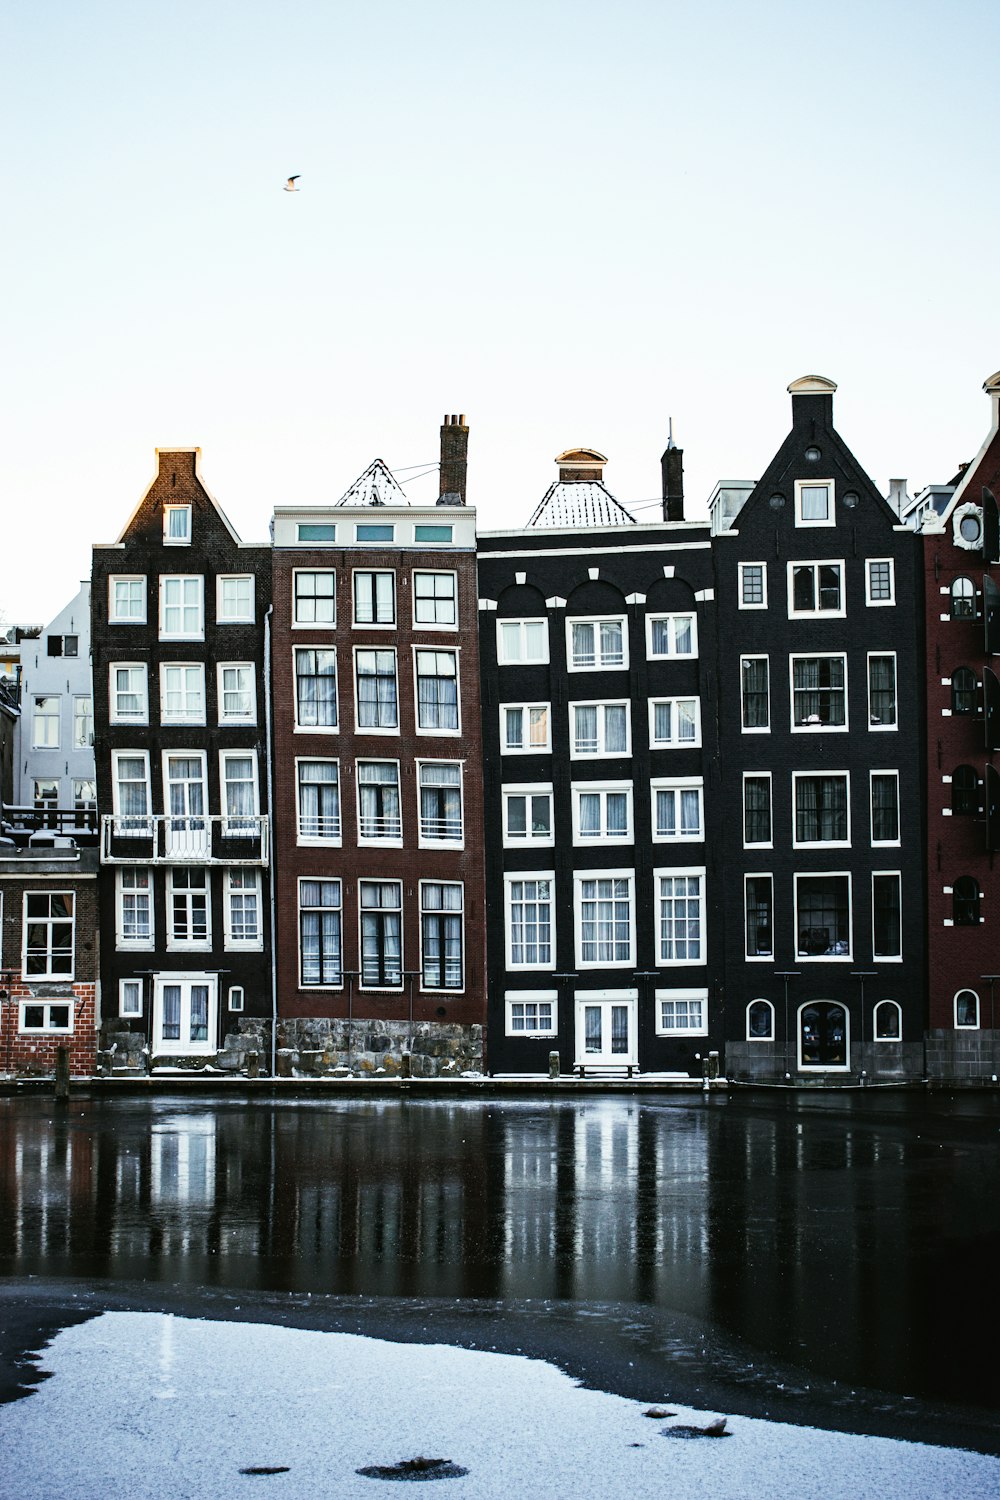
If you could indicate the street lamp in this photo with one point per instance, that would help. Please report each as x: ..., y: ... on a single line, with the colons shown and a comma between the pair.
x: 786, y: 975
x: 862, y: 974
x: 993, y: 1034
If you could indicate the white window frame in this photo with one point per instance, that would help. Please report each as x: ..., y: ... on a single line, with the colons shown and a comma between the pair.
x: 880, y: 603
x: 815, y: 564
x: 363, y: 533
x: 183, y: 540
x: 236, y: 666
x: 127, y: 944
x: 886, y: 1040
x: 370, y: 840
x: 602, y: 705
x: 450, y: 989
x: 49, y: 921
x: 883, y: 843
x: 180, y: 1046
x: 425, y: 841
x: 362, y: 912
x: 188, y: 945
x: 601, y: 789
x: 579, y: 876
x: 512, y: 877
x: 130, y: 619
x: 806, y: 728
x: 87, y: 740
x: 428, y: 650
x: 743, y: 569
x: 522, y: 661
x: 598, y: 665
x: 672, y: 873
x: 185, y: 716
x: 527, y: 789
x: 823, y: 958
x: 963, y: 1025
x: 199, y: 838
x: 380, y: 729
x: 389, y: 573
x: 235, y: 831
x: 306, y: 533
x: 47, y: 719
x: 798, y: 843
x: 677, y: 784
x: 744, y: 726
x: 760, y: 1000
x: 674, y: 743
x: 236, y: 997
x: 330, y: 650
x: 298, y: 624
x: 241, y: 944
x: 197, y: 634
x: 897, y: 875
x: 756, y: 958
x: 758, y: 776
x: 883, y: 728
x: 144, y: 828
x: 672, y: 654
x: 301, y: 982
x: 434, y: 541
x: 685, y: 996
x: 130, y: 1009
x: 538, y: 998
x: 331, y: 840
x: 434, y: 573
x: 249, y: 609
x: 815, y: 484
x: 132, y: 667
x: 46, y: 1029
x: 804, y: 1067
x: 527, y: 748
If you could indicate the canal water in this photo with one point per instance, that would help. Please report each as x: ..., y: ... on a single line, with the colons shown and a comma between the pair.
x: 772, y: 1250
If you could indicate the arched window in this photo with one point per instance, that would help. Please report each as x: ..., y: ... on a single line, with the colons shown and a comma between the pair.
x: 965, y: 902
x: 888, y: 1021
x: 967, y: 1010
x: 823, y: 1036
x: 963, y: 690
x: 760, y: 1021
x: 964, y: 790
x: 963, y: 599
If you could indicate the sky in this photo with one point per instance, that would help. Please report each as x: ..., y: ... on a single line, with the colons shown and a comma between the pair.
x: 570, y: 221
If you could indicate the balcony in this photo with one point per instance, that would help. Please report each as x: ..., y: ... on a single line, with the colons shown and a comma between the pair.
x: 189, y: 840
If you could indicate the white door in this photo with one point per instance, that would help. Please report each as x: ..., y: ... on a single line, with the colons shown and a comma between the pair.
x: 605, y: 1031
x: 186, y: 824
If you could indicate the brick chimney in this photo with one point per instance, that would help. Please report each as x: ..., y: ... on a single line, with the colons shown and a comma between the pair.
x: 454, y: 460
x: 672, y: 470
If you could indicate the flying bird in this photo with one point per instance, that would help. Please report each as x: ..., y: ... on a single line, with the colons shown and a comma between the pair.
x: 290, y: 184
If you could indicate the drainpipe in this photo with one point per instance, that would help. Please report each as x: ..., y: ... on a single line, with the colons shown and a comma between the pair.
x: 268, y: 761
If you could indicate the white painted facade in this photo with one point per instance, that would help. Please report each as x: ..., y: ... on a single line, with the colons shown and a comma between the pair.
x: 55, y: 747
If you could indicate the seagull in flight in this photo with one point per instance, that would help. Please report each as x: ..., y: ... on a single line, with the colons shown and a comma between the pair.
x: 290, y: 184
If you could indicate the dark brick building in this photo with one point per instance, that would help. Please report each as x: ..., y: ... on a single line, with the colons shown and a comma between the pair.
x: 818, y: 595
x: 961, y: 555
x: 597, y: 639
x: 378, y: 778
x: 179, y: 611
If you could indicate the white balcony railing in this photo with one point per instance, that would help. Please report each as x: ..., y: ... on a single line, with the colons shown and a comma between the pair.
x: 160, y: 839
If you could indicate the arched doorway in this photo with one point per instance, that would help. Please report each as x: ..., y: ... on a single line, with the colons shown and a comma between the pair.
x: 824, y: 1035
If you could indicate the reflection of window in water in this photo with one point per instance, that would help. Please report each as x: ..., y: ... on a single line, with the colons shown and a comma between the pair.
x: 182, y: 1160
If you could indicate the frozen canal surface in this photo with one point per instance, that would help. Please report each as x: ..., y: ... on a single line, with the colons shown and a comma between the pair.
x: 773, y: 1255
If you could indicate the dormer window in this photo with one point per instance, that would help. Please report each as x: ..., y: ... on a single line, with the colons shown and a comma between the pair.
x: 177, y: 525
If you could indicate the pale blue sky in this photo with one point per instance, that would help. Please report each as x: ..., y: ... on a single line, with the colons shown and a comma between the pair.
x: 570, y: 221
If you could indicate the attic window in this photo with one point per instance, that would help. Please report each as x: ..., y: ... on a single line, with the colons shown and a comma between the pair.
x: 177, y: 525
x: 814, y: 503
x: 317, y: 532
x: 432, y: 533
x: 370, y: 533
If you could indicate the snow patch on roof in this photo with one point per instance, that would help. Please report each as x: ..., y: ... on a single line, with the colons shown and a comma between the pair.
x: 580, y: 503
x: 376, y: 486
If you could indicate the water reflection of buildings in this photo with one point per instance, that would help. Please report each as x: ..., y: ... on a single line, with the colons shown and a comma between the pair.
x: 815, y: 1236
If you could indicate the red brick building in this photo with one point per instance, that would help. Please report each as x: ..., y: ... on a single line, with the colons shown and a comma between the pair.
x: 379, y: 893
x: 48, y: 959
x: 962, y: 570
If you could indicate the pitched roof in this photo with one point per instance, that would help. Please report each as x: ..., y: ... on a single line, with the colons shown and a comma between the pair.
x: 376, y: 486
x: 579, y: 502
